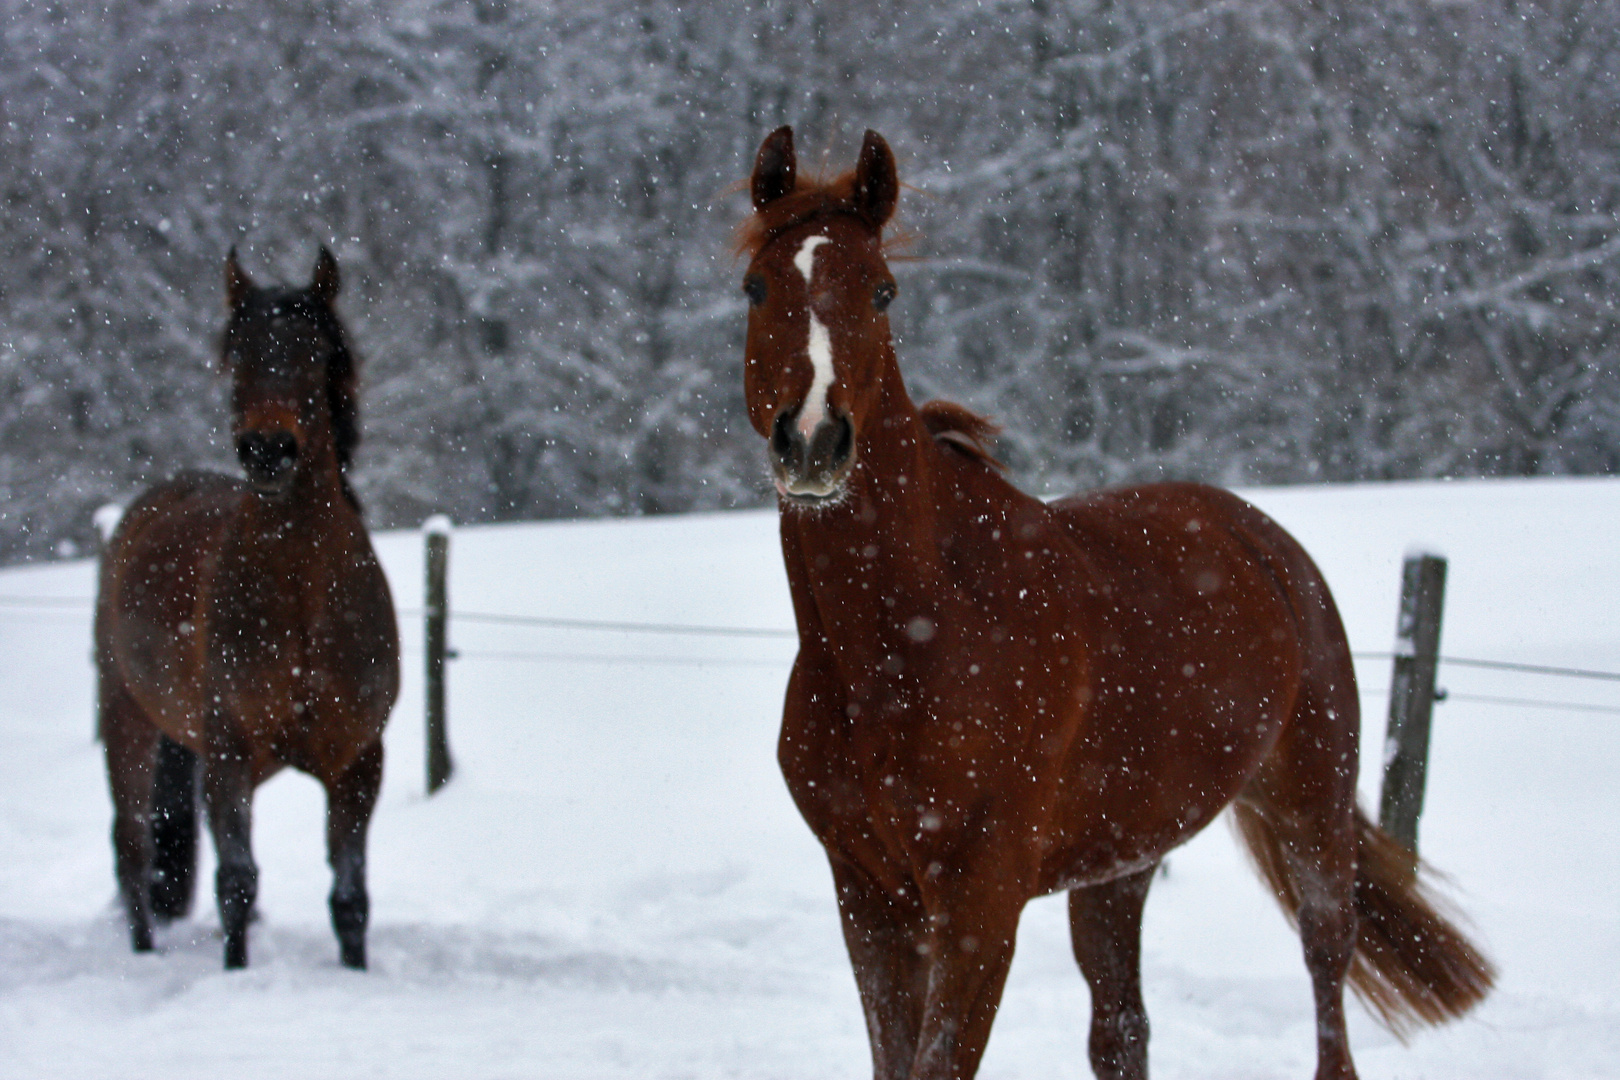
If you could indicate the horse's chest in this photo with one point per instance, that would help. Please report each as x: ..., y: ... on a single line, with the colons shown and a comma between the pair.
x: 284, y: 654
x: 863, y: 796
x: 966, y: 688
x: 900, y: 770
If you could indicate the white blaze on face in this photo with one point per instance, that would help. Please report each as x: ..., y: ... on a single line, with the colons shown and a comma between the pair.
x: 819, y: 347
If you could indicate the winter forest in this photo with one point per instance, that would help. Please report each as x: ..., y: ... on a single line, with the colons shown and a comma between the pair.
x: 1245, y: 241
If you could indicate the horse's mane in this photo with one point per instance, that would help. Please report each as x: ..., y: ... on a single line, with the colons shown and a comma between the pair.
x: 342, y: 383
x: 809, y: 198
x: 962, y: 428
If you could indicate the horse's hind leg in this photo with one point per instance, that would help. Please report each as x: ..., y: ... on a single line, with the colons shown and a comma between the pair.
x: 131, y: 744
x: 174, y: 830
x: 350, y: 800
x: 1297, y: 819
x: 1106, y: 924
x: 228, y: 793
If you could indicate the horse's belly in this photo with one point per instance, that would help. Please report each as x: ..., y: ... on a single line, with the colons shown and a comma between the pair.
x: 1132, y: 792
x: 1105, y: 841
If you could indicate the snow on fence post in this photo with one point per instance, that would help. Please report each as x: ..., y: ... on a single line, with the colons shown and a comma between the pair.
x: 436, y: 531
x: 1412, y: 697
x: 105, y: 519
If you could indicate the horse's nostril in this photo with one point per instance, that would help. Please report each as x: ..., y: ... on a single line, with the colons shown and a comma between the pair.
x: 846, y: 438
x: 266, y: 456
x: 782, y: 433
x: 284, y: 447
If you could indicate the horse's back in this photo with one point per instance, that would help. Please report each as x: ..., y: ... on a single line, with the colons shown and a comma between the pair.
x: 1187, y: 541
x: 1197, y: 551
x: 149, y: 606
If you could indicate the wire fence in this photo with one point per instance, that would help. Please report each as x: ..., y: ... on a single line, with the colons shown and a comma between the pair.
x: 81, y: 605
x: 1518, y: 668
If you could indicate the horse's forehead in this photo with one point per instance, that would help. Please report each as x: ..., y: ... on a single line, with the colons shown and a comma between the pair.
x: 823, y: 242
x: 277, y: 323
x: 277, y: 342
x: 805, y: 259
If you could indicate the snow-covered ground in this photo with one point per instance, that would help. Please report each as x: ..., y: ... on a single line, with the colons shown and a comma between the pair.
x: 615, y: 884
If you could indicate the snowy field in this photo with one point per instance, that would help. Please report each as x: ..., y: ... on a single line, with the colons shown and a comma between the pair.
x: 616, y: 884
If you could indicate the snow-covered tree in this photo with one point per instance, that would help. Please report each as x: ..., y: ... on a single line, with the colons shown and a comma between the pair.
x: 1243, y: 240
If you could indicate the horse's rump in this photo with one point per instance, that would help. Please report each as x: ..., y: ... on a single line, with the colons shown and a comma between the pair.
x: 1196, y: 546
x: 1209, y: 625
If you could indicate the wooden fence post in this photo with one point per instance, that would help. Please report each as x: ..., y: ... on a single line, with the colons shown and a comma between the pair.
x: 436, y: 531
x: 1412, y: 697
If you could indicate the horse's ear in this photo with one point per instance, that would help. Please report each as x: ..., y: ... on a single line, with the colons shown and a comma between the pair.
x: 237, y: 283
x: 877, y: 185
x: 326, y: 280
x: 775, y: 168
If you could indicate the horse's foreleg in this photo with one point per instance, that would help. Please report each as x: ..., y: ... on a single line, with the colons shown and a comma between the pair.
x: 883, y: 936
x: 970, y: 947
x: 1106, y: 924
x: 350, y: 800
x: 131, y: 745
x: 228, y: 793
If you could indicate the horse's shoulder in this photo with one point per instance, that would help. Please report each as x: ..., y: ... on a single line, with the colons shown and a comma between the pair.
x: 188, y: 501
x: 189, y: 485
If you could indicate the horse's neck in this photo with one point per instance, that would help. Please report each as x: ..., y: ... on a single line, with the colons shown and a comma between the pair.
x: 881, y: 544
x: 308, y: 521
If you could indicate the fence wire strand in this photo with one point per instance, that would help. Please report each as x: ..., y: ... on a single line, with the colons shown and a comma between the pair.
x: 1506, y: 665
x: 67, y: 604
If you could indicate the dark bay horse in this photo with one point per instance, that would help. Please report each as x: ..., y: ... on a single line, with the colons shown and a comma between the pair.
x: 996, y: 698
x: 244, y: 625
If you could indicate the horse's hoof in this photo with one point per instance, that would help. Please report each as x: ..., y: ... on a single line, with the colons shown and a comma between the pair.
x: 354, y: 955
x: 140, y: 938
x: 235, y: 953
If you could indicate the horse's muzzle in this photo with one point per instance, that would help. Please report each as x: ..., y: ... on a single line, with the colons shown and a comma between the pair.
x: 811, y: 470
x: 267, y: 458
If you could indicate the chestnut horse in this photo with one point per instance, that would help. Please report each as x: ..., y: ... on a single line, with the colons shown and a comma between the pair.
x: 244, y: 625
x: 995, y: 698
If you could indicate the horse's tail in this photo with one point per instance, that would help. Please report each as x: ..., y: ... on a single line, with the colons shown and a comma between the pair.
x: 1411, y: 964
x: 174, y: 830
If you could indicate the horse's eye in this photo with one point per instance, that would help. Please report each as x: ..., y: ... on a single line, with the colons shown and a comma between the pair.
x: 883, y: 294
x: 754, y: 287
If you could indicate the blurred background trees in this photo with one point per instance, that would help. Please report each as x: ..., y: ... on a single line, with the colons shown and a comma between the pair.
x: 1243, y: 241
